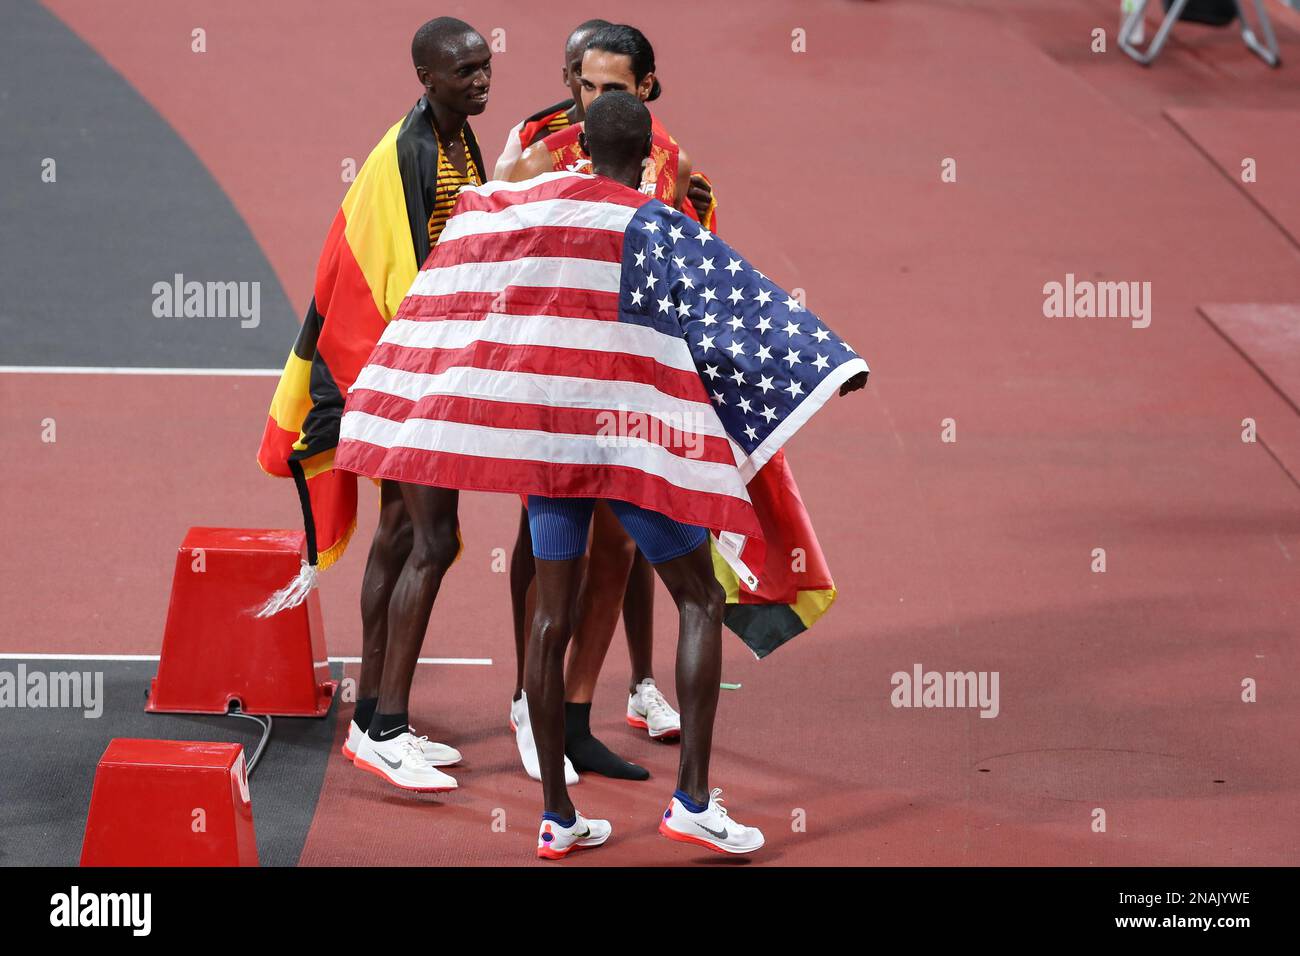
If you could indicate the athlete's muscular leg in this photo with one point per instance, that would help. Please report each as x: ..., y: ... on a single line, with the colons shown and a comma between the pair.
x: 433, y: 548
x: 522, y: 571
x: 388, y: 553
x: 639, y: 620
x: 600, y: 598
x: 552, y: 627
x: 700, y: 601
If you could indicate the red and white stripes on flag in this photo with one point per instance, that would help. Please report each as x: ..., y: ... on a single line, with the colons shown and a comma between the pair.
x: 509, y: 367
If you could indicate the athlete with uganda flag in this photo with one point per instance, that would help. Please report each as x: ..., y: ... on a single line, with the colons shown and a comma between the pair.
x: 391, y: 217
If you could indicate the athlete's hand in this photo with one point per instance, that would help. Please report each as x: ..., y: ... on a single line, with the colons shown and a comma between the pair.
x: 852, y: 385
x: 700, y: 194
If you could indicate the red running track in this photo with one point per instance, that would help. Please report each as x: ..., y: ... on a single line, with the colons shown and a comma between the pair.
x: 1119, y: 691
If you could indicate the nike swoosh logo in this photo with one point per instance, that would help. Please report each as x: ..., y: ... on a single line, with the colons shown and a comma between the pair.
x: 720, y: 834
x: 582, y: 836
x: 398, y: 765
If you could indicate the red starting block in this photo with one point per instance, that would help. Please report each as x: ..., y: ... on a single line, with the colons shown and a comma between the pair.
x: 170, y: 803
x: 216, y: 651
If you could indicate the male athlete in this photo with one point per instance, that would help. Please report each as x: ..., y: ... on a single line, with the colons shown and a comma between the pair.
x: 553, y: 118
x: 615, y: 579
x: 511, y: 393
x: 619, y: 58
x: 391, y: 217
x: 601, y: 58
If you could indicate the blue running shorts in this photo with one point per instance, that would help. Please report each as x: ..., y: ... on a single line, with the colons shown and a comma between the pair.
x: 559, y: 529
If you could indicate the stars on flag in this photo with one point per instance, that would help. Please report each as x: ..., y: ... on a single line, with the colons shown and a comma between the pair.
x: 754, y: 381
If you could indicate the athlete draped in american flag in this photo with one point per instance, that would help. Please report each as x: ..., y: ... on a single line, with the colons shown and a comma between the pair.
x: 572, y: 339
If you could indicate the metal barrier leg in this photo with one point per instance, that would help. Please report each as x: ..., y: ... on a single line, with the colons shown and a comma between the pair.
x: 1267, y: 51
x: 1126, y: 32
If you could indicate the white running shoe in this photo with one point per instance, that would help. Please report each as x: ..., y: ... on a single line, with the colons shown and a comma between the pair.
x: 649, y: 709
x: 438, y: 755
x: 555, y: 841
x: 523, y: 729
x: 713, y: 828
x: 401, y: 762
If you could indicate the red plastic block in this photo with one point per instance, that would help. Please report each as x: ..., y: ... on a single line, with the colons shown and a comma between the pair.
x: 215, y: 650
x: 170, y: 803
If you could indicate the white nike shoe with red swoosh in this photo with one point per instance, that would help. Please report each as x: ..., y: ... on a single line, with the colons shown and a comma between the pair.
x: 713, y: 827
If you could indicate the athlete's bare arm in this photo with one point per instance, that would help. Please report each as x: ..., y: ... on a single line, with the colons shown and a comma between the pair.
x: 692, y: 187
x: 683, y: 185
x: 535, y: 161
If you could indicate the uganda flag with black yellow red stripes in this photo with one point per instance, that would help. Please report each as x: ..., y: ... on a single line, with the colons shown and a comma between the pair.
x: 794, y: 586
x: 371, y: 256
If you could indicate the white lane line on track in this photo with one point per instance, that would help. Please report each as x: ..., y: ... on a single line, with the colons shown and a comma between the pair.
x: 470, y: 661
x: 127, y: 370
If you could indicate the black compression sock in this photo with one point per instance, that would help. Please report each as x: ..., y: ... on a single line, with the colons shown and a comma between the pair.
x: 365, y: 712
x: 387, y: 726
x: 588, y: 754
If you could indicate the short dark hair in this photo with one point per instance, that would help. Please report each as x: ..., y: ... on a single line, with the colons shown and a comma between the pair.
x: 630, y: 42
x: 433, y: 37
x: 617, y: 128
x: 581, y: 30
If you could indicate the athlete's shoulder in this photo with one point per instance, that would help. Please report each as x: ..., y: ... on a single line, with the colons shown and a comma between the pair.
x: 534, y: 160
x: 559, y: 185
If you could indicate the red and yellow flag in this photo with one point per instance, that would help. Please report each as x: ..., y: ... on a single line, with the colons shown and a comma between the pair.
x: 795, y: 585
x: 369, y: 260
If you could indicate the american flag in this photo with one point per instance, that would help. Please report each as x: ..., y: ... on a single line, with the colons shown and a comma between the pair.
x: 549, y: 306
